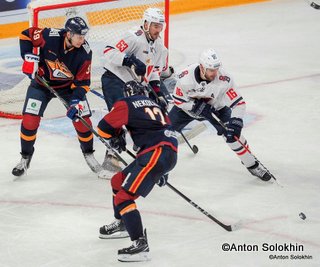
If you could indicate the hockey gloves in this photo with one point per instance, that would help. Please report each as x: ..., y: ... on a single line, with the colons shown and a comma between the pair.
x: 119, y: 142
x: 139, y: 66
x: 163, y: 180
x: 201, y: 109
x: 160, y: 99
x: 30, y: 65
x: 75, y: 109
x: 234, y: 127
x: 156, y: 95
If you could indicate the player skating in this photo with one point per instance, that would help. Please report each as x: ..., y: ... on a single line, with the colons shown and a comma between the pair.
x: 139, y: 52
x: 150, y: 131
x: 205, y: 88
x: 63, y: 58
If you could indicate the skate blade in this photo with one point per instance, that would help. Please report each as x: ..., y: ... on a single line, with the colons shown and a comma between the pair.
x: 237, y: 225
x: 104, y: 174
x: 117, y: 235
x: 112, y: 168
x: 139, y: 257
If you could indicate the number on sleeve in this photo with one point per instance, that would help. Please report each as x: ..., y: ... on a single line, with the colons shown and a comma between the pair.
x: 231, y: 94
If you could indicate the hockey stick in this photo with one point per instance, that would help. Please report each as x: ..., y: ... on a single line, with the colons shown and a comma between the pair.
x: 145, y: 81
x: 228, y: 228
x: 314, y: 5
x: 214, y: 117
x: 193, y: 148
x: 102, y: 97
x: 45, y: 83
x: 95, y: 92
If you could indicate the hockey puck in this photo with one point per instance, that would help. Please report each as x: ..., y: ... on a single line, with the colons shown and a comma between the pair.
x: 302, y: 216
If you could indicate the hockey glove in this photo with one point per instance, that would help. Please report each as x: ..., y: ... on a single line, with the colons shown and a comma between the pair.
x: 30, y: 65
x: 160, y: 100
x: 119, y: 142
x: 201, y: 109
x: 157, y: 95
x: 75, y: 109
x: 224, y: 115
x: 234, y: 127
x: 139, y: 67
x: 163, y: 180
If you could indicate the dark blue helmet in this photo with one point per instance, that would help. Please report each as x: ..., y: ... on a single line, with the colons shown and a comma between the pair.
x: 134, y: 88
x: 77, y: 25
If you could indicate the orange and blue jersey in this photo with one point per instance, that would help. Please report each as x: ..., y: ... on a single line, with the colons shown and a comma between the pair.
x: 148, y: 126
x: 60, y: 66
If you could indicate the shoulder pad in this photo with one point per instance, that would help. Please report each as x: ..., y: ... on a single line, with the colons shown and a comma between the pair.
x: 139, y: 32
x: 54, y: 32
x: 86, y: 47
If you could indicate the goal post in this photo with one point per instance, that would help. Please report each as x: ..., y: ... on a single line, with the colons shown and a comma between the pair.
x: 108, y: 20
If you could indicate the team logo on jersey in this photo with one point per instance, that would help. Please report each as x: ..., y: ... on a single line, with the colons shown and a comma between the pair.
x: 54, y: 32
x: 139, y: 32
x: 122, y: 45
x: 58, y: 70
x: 86, y: 47
x: 203, y: 86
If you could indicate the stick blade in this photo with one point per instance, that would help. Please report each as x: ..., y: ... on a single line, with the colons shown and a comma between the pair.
x: 236, y: 226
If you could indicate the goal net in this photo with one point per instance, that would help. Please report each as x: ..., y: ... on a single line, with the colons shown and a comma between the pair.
x: 108, y: 20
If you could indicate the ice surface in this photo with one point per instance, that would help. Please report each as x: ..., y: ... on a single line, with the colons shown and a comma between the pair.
x: 51, y: 217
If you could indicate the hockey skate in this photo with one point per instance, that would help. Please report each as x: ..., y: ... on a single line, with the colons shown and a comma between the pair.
x: 92, y: 162
x: 113, y: 230
x: 258, y: 170
x: 22, y: 166
x: 111, y: 163
x: 138, y: 251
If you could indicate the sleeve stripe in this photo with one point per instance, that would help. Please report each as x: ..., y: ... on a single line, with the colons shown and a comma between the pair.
x: 107, y: 50
x: 241, y: 103
x: 24, y: 37
x: 178, y: 99
x: 103, y: 134
x: 236, y: 102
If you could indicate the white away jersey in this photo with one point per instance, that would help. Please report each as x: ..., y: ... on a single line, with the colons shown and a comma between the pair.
x: 153, y: 54
x: 219, y: 93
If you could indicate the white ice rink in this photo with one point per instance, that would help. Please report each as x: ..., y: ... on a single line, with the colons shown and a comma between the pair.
x: 51, y: 217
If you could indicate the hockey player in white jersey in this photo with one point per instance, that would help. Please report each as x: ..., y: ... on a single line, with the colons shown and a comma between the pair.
x: 206, y: 88
x: 141, y: 51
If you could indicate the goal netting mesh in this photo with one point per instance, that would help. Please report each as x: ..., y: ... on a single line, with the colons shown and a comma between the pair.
x: 108, y: 21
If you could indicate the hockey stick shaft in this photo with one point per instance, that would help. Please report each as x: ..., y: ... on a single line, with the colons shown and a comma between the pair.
x: 83, y: 121
x: 224, y: 226
x: 97, y: 93
x: 193, y: 148
x: 145, y: 81
x: 102, y: 97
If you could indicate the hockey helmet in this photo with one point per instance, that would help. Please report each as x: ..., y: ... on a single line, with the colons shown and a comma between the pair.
x: 209, y: 59
x: 152, y: 14
x: 134, y: 88
x: 77, y: 25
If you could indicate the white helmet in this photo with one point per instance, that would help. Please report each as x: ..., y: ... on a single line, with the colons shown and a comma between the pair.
x: 153, y: 15
x: 209, y: 59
